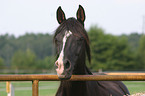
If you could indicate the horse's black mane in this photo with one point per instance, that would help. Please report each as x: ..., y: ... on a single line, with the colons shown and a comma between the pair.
x: 77, y: 29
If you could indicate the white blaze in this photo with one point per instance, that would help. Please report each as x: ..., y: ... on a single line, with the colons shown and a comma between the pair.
x: 59, y: 61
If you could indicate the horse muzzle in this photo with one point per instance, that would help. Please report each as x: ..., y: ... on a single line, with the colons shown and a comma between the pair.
x: 64, y: 69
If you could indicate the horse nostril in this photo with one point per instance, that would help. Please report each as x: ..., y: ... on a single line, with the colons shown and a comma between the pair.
x: 67, y: 65
x: 56, y: 64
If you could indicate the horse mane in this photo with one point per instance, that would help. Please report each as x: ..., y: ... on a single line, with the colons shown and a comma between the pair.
x: 77, y: 29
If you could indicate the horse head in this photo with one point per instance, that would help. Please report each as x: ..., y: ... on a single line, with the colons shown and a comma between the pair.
x: 72, y: 44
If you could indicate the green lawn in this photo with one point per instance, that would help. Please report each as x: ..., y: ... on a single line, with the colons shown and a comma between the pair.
x: 49, y: 88
x: 135, y: 86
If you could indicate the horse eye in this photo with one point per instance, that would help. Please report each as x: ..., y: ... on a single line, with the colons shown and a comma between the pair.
x: 80, y: 39
x: 57, y: 41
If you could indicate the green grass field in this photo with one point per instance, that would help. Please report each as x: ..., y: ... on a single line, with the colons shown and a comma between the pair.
x: 49, y: 88
x: 25, y: 88
x: 135, y: 86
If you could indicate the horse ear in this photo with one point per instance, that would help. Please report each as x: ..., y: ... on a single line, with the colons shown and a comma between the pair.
x: 81, y: 14
x: 60, y: 15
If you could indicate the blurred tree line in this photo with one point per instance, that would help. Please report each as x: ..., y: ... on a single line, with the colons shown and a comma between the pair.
x: 109, y: 52
x: 116, y: 53
x: 27, y: 52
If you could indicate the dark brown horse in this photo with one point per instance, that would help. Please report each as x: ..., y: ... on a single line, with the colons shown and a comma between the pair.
x: 72, y: 45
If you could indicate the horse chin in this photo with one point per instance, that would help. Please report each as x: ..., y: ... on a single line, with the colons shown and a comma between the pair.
x: 64, y: 77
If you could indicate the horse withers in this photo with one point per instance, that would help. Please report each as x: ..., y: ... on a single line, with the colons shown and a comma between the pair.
x: 72, y: 44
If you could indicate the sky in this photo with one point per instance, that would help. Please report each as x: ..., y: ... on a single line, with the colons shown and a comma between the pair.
x: 39, y: 16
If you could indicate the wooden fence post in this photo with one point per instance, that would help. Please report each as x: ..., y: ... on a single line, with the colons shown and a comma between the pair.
x: 35, y: 88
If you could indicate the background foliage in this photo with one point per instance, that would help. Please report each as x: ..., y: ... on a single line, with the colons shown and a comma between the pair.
x: 109, y: 52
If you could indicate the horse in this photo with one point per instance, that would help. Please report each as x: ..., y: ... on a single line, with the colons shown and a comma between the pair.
x: 72, y: 48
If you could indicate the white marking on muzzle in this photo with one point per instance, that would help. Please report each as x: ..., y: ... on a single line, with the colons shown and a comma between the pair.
x: 59, y: 61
